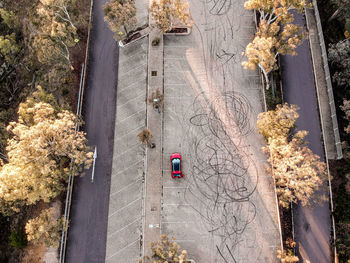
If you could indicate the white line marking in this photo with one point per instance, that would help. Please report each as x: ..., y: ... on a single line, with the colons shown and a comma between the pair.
x: 142, y: 95
x: 125, y: 187
x: 137, y: 128
x: 120, y: 250
x: 129, y: 167
x: 115, y: 212
x: 143, y: 110
x: 125, y: 73
x: 111, y: 234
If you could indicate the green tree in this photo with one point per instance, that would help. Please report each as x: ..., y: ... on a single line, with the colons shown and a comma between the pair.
x: 18, y: 239
x: 120, y: 16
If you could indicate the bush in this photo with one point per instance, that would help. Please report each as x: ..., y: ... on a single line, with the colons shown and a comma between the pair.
x: 155, y: 42
x: 18, y: 239
x: 65, y: 91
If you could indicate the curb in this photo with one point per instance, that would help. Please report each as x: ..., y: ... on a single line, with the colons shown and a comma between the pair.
x: 274, y: 184
x: 332, y: 108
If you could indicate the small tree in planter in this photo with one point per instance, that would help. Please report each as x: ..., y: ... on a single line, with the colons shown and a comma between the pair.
x: 157, y: 100
x: 167, y: 12
x: 166, y: 250
x: 145, y: 137
x: 120, y: 16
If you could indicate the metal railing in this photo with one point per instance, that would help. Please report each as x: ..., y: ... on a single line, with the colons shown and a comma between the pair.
x: 71, y: 177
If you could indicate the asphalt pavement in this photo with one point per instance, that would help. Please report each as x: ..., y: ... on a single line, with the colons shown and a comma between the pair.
x: 312, y: 225
x: 87, y: 232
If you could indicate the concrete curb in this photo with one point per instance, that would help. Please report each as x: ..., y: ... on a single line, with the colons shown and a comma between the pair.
x: 274, y: 184
x: 327, y: 80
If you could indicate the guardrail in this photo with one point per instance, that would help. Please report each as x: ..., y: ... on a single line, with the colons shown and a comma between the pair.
x: 82, y: 84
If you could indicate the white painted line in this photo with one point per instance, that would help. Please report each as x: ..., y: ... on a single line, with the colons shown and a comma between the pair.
x: 175, y: 187
x: 137, y: 128
x: 128, y: 150
x: 115, y: 212
x: 125, y: 73
x: 142, y: 95
x: 180, y: 222
x: 129, y: 167
x: 143, y: 110
x: 142, y: 53
x: 125, y: 187
x: 93, y: 165
x: 175, y: 204
x: 117, y: 231
x: 120, y: 250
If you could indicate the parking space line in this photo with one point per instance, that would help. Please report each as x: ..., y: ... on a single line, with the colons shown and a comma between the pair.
x: 129, y: 167
x: 142, y: 95
x: 115, y: 212
x: 120, y: 250
x: 129, y: 149
x: 175, y: 204
x: 137, y: 128
x: 175, y: 187
x: 111, y: 234
x: 143, y: 110
x: 127, y: 186
x: 125, y: 73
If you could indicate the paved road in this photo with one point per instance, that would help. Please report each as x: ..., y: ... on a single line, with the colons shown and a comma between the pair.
x: 312, y: 226
x: 88, y: 221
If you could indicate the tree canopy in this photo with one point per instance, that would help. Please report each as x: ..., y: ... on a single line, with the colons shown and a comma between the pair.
x: 39, y: 153
x: 120, y: 16
x: 297, y: 171
x: 167, y: 13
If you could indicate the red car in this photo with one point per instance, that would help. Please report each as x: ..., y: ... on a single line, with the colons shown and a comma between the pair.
x: 176, y: 166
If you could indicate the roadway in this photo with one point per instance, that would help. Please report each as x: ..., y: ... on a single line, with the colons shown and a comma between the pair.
x: 87, y: 232
x: 312, y: 225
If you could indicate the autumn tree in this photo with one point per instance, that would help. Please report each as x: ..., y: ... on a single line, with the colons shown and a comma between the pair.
x: 272, y: 40
x: 120, y: 16
x: 145, y: 137
x: 166, y: 250
x: 297, y: 171
x: 44, y: 228
x: 276, y: 34
x: 40, y: 151
x: 278, y: 122
x: 56, y: 31
x: 287, y: 255
x: 167, y: 13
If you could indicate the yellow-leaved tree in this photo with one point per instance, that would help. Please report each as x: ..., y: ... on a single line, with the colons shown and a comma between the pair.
x: 56, y: 30
x: 167, y: 13
x: 297, y: 171
x: 44, y: 229
x: 120, y: 16
x: 270, y: 41
x: 40, y: 152
x: 275, y: 35
x: 166, y: 250
x: 278, y: 122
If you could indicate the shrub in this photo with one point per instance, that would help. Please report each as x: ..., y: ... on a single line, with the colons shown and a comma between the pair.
x: 18, y: 239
